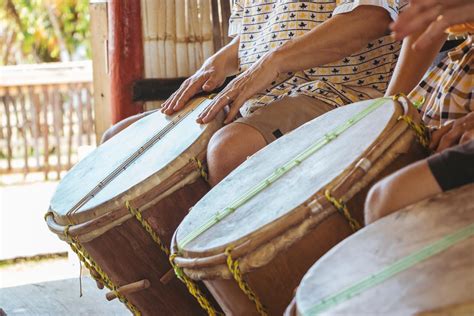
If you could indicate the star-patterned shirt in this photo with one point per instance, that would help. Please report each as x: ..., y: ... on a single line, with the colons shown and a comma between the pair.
x: 264, y: 25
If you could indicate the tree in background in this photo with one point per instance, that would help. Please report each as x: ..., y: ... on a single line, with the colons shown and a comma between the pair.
x: 35, y: 31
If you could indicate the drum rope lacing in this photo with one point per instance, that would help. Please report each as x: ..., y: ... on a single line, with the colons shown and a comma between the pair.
x: 201, y: 168
x: 279, y: 172
x: 90, y: 264
x: 138, y: 215
x: 193, y: 288
x: 391, y: 270
x: 341, y: 206
x: 234, y: 268
x: 190, y: 285
x: 421, y: 131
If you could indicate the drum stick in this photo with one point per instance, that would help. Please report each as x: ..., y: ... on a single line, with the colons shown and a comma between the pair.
x: 129, y: 289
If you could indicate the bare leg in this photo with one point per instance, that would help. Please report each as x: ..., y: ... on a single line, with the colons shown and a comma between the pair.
x: 406, y: 186
x: 115, y: 129
x: 229, y: 147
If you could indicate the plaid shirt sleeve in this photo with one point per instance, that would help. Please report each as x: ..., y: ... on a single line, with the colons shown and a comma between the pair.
x: 394, y: 7
x: 446, y: 92
x: 235, y: 21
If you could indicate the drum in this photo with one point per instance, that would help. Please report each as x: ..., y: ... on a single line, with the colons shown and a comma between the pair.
x: 119, y: 207
x: 418, y: 261
x: 255, y: 234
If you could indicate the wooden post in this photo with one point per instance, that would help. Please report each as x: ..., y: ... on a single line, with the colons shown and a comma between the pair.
x: 100, y: 66
x: 126, y: 56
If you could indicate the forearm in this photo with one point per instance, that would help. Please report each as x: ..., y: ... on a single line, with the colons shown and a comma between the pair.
x: 412, y: 65
x: 404, y: 187
x: 338, y: 37
x: 228, y: 56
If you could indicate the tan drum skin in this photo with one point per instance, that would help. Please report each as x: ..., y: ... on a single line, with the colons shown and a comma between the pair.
x: 441, y: 285
x: 278, y: 234
x: 152, y: 165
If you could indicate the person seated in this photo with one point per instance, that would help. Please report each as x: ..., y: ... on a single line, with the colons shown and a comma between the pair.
x: 296, y: 61
x: 447, y: 92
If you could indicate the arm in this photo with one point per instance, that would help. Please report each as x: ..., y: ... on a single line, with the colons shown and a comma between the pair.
x: 210, y: 76
x: 326, y: 43
x: 412, y: 65
x: 333, y: 39
x: 432, y: 18
x: 404, y: 187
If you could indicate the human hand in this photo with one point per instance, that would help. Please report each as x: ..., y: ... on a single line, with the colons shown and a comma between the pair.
x: 432, y: 17
x: 458, y: 132
x: 258, y: 77
x: 210, y: 76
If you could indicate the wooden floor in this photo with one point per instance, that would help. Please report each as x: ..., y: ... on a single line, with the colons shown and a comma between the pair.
x: 58, y: 298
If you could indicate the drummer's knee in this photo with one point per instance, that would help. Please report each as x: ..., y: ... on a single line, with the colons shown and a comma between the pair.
x: 117, y: 128
x: 375, y: 203
x: 229, y: 147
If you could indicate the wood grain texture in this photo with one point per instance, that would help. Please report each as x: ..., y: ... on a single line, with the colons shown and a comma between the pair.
x: 444, y: 279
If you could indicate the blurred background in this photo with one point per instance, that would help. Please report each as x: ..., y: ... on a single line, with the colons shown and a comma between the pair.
x: 46, y: 125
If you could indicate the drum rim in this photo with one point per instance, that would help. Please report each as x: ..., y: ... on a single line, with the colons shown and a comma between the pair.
x: 194, y: 262
x: 115, y: 212
x: 408, y: 211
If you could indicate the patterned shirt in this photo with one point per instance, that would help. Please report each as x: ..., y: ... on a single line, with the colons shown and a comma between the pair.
x: 264, y: 25
x: 447, y: 91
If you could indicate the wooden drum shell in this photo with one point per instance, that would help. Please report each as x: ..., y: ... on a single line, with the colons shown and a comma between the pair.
x: 275, y: 259
x: 105, y: 227
x: 440, y: 285
x: 128, y: 254
x: 288, y: 267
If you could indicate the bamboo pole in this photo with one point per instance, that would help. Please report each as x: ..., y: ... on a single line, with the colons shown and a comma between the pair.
x: 71, y: 127
x: 153, y: 24
x: 161, y: 37
x: 35, y: 122
x: 80, y: 116
x: 45, y: 130
x: 170, y: 39
x: 191, y: 35
x: 216, y: 25
x: 194, y: 9
x: 9, y: 129
x: 225, y: 9
x: 206, y: 30
x: 56, y: 104
x: 181, y: 40
x: 25, y: 126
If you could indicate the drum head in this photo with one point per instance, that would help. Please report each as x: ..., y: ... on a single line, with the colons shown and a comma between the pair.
x: 292, y: 189
x: 444, y: 279
x: 126, y: 161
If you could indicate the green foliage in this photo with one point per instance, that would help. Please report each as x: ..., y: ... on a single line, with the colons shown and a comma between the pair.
x: 49, y: 30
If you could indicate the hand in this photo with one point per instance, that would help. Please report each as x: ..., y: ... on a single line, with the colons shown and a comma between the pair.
x: 432, y: 17
x: 458, y: 132
x: 255, y: 79
x: 210, y: 76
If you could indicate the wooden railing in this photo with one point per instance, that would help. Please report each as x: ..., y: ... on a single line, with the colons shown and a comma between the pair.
x: 46, y: 116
